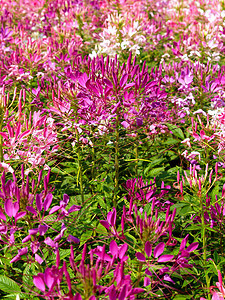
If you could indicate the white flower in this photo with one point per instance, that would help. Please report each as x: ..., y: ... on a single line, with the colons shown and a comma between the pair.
x: 6, y: 167
x: 200, y: 111
x: 93, y: 54
x: 187, y: 141
x: 125, y: 44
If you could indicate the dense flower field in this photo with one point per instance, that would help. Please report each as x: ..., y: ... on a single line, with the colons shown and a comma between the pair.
x: 112, y: 149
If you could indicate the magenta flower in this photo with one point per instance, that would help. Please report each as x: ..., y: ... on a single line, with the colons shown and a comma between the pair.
x: 159, y: 249
x: 50, y: 279
x: 21, y: 252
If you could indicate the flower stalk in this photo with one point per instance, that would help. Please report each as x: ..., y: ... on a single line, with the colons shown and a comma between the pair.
x: 116, y: 161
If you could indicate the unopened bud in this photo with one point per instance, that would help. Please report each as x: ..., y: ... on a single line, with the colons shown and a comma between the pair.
x: 178, y: 176
x: 210, y: 176
x: 199, y: 184
x: 223, y: 191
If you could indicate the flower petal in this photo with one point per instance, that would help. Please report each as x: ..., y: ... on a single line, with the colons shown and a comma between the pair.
x: 159, y: 249
x: 165, y: 258
x: 140, y: 256
x: 148, y: 248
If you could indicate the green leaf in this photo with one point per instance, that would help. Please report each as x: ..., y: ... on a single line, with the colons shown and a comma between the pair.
x: 181, y: 297
x: 8, y: 285
x: 57, y: 171
x: 16, y: 296
x: 155, y: 172
x: 51, y: 162
x: 171, y: 141
x: 186, y: 282
x: 215, y: 191
x: 147, y: 208
x: 187, y: 209
x: 131, y: 239
x: 193, y: 227
x: 101, y: 201
x: 64, y: 253
x: 101, y: 230
x: 176, y: 131
x: 28, y: 273
x: 85, y: 237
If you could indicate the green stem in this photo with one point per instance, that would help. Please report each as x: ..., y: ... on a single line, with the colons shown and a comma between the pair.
x: 139, y: 276
x: 116, y: 161
x: 92, y: 166
x: 1, y: 139
x: 136, y: 156
x: 204, y: 241
x: 80, y: 168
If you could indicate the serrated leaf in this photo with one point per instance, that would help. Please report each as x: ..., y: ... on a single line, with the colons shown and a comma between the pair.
x: 193, y: 227
x: 64, y: 253
x: 8, y: 285
x: 186, y: 282
x: 51, y: 162
x: 156, y: 171
x: 131, y: 239
x: 171, y: 141
x: 176, y: 131
x: 215, y: 191
x: 28, y: 273
x: 57, y: 171
x: 181, y: 297
x: 101, y: 202
x: 147, y: 208
x: 101, y: 230
x: 16, y: 296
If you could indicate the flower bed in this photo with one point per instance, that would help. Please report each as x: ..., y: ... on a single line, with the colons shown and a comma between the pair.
x: 112, y: 151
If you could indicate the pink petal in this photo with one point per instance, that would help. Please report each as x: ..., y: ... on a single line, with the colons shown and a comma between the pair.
x: 42, y: 229
x: 125, y: 124
x: 32, y: 210
x: 148, y: 248
x: 123, y: 293
x: 38, y: 259
x: 184, y: 242
x: 49, y: 279
x: 39, y: 282
x: 128, y: 86
x: 105, y: 224
x: 48, y: 241
x: 54, y: 209
x: 77, y: 297
x: 136, y: 291
x: 33, y: 231
x: 192, y: 247
x: 20, y: 215
x: 16, y: 258
x: 48, y: 201
x: 83, y: 79
x: 159, y: 249
x: 165, y: 258
x: 9, y: 207
x: 73, y: 239
x: 123, y: 80
x: 108, y: 83
x: 113, y: 248
x: 123, y: 250
x: 167, y: 278
x: 147, y: 281
x: 74, y: 208
x: 38, y: 202
x: 140, y: 256
x: 2, y: 216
